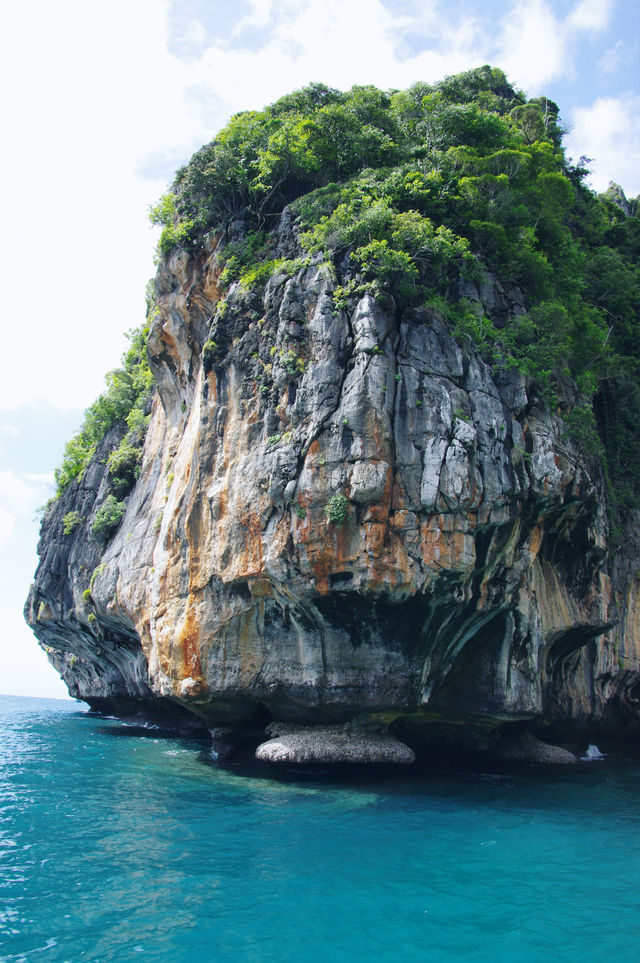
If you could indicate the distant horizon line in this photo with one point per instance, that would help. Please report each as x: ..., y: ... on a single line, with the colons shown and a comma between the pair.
x: 17, y: 695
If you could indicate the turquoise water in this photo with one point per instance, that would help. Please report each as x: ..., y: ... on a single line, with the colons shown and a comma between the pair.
x: 119, y: 847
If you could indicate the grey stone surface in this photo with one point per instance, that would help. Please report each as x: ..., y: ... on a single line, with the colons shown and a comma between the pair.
x: 333, y: 744
x: 469, y: 575
x: 528, y: 748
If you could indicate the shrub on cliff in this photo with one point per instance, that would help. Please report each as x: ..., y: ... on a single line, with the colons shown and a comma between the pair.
x: 124, y: 467
x: 336, y: 510
x: 108, y: 518
x: 71, y: 521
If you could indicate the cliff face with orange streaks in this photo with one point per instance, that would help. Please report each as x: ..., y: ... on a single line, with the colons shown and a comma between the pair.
x: 467, y: 590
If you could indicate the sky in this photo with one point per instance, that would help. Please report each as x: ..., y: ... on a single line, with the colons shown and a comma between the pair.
x: 103, y: 101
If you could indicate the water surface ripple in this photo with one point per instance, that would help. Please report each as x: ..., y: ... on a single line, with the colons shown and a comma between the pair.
x: 117, y: 847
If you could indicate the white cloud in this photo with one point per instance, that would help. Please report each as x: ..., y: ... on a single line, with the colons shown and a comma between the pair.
x: 335, y: 42
x: 6, y: 428
x: 611, y: 58
x: 91, y: 90
x: 609, y: 132
x: 536, y: 45
x: 7, y: 526
x: 25, y: 667
x: 260, y: 15
x: 21, y: 494
x: 39, y: 478
x: 591, y: 15
x: 16, y: 494
x: 531, y: 47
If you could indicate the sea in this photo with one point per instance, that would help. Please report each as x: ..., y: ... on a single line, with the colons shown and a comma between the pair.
x: 122, y: 843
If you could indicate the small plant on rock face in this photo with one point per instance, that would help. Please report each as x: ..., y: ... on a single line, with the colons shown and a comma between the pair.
x: 71, y: 521
x: 336, y: 510
x: 293, y: 365
x: 108, y: 517
x: 210, y: 354
x: 98, y: 570
x: 124, y: 467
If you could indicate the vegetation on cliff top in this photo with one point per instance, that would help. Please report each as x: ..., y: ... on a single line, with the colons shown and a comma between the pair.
x: 415, y: 192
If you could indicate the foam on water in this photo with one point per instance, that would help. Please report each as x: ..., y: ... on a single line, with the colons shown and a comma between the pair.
x: 592, y: 754
x: 116, y: 847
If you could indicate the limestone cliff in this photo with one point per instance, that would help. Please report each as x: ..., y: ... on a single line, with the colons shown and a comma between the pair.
x: 458, y: 584
x: 389, y: 487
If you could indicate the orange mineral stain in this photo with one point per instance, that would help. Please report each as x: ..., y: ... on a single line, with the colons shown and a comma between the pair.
x: 189, y: 642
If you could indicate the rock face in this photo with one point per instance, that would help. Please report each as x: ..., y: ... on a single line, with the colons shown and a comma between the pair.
x: 462, y: 585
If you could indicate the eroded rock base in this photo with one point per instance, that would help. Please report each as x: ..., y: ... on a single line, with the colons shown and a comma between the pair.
x: 331, y: 744
x: 526, y: 747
